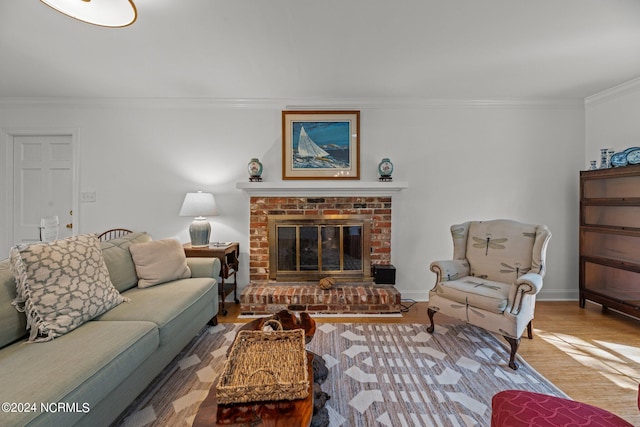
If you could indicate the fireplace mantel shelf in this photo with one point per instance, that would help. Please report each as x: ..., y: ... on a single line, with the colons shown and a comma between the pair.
x: 305, y: 188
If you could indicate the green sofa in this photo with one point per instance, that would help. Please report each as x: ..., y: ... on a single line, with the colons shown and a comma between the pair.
x: 88, y: 376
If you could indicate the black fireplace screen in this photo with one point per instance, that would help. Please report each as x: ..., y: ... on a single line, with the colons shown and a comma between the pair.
x: 307, y: 249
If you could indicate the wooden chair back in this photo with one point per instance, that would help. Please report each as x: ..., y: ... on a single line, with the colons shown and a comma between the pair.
x: 113, y: 234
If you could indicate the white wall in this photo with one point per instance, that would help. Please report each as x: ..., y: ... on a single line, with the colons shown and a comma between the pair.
x: 612, y: 120
x: 462, y: 160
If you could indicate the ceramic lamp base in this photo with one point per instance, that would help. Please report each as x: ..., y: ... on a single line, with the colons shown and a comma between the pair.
x: 200, y: 231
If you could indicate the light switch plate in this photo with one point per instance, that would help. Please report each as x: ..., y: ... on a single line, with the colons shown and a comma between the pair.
x: 88, y: 196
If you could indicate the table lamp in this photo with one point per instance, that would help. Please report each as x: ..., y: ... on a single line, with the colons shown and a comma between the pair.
x: 199, y: 205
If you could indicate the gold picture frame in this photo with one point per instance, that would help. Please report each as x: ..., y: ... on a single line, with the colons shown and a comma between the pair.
x: 321, y: 144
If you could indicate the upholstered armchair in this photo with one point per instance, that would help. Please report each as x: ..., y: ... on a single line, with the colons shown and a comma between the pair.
x: 493, y: 279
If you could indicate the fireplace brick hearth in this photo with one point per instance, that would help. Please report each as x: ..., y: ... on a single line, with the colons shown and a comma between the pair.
x: 269, y: 298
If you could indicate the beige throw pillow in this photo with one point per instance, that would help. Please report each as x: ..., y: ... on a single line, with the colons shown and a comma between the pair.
x: 159, y: 261
x: 61, y: 284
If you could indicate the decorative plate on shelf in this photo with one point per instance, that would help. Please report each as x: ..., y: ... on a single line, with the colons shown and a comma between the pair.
x: 619, y: 159
x: 633, y: 156
x: 630, y: 156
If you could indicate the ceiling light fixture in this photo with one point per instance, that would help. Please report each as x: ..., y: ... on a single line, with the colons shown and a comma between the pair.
x: 105, y: 13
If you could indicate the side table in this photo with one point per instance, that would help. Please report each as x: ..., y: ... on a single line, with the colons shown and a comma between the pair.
x: 228, y: 253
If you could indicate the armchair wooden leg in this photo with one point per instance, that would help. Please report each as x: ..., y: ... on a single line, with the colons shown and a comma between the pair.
x: 530, y: 330
x: 432, y: 327
x: 515, y: 343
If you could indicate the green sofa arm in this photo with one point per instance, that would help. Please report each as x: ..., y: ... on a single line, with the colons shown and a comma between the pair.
x: 204, y: 267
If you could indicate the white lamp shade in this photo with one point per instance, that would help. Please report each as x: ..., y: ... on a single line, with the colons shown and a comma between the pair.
x: 199, y: 204
x: 106, y: 13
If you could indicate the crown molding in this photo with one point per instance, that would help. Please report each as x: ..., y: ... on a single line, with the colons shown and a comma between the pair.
x: 293, y: 103
x: 143, y: 102
x: 418, y: 103
x: 614, y: 92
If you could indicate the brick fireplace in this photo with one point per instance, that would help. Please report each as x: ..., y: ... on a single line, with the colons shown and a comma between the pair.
x: 264, y: 295
x: 262, y: 208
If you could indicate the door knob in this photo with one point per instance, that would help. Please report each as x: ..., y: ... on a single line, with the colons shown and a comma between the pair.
x: 69, y: 225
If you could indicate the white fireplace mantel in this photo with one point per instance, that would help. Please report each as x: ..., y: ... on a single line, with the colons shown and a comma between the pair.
x: 304, y: 188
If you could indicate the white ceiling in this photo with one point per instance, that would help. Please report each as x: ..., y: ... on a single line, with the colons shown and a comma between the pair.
x: 325, y: 49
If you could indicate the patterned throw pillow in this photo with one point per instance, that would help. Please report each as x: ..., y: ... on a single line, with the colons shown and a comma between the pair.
x: 61, y: 285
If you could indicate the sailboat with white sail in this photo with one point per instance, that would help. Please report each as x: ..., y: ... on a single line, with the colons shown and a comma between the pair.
x: 308, y: 148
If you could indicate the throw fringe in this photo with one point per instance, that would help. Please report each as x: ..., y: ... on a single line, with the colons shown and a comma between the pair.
x: 40, y: 331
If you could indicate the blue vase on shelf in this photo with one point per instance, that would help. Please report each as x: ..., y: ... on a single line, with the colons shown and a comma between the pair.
x: 255, y: 170
x: 385, y: 169
x: 604, y: 164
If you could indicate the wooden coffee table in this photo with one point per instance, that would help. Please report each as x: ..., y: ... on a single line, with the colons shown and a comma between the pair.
x: 280, y: 413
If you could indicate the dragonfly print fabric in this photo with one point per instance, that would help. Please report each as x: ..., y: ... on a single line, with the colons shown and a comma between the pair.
x: 501, y: 251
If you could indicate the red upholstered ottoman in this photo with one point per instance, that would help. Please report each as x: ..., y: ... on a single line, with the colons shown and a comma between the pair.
x: 518, y: 408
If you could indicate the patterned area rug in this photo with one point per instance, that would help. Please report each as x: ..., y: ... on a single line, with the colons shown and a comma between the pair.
x: 379, y: 375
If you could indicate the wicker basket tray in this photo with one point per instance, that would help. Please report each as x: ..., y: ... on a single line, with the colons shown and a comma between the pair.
x: 265, y: 366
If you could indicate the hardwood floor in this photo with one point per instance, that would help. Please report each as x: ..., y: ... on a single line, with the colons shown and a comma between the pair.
x: 591, y: 355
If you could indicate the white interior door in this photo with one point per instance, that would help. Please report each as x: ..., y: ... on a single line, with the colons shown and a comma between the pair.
x: 42, y: 184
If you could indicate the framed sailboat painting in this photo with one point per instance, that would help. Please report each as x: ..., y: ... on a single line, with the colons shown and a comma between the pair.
x: 321, y: 144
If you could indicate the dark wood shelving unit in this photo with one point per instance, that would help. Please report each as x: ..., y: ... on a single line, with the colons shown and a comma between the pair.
x: 610, y: 238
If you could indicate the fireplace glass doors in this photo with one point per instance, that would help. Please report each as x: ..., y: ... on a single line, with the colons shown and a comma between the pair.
x: 305, y: 247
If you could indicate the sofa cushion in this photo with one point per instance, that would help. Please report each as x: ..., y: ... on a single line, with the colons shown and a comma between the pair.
x: 168, y: 305
x: 13, y: 324
x: 159, y: 261
x: 61, y: 284
x: 117, y: 256
x: 80, y: 367
x: 476, y: 292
